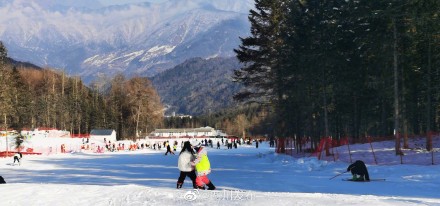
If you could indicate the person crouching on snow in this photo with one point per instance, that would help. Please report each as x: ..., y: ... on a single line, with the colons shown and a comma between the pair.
x: 186, y: 157
x: 359, y: 168
x: 202, y: 165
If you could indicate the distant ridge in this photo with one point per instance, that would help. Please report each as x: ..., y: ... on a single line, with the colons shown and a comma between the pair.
x: 134, y: 39
x: 198, y: 86
x: 20, y: 64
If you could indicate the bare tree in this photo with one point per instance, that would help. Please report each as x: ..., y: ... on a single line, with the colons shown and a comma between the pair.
x: 243, y: 124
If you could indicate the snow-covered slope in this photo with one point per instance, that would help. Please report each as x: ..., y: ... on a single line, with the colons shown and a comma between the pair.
x: 243, y: 176
x: 85, y: 38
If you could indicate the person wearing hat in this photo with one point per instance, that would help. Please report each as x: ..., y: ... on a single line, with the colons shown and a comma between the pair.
x: 202, y: 165
x: 186, y: 156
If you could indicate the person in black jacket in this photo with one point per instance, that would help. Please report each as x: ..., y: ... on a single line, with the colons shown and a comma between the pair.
x: 359, y: 168
x: 168, y: 148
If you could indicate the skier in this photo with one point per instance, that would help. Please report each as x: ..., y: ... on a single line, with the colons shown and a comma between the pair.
x: 359, y: 168
x: 186, y: 156
x: 17, y: 157
x: 168, y: 149
x: 202, y: 165
x: 175, y: 147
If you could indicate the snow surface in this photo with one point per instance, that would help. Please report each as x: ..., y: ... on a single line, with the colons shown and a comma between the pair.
x: 243, y: 176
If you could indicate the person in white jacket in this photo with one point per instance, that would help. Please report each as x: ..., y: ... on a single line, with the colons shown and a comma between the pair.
x: 186, y: 156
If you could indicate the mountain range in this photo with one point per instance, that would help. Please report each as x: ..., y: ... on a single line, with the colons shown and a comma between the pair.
x: 87, y: 39
x: 198, y: 86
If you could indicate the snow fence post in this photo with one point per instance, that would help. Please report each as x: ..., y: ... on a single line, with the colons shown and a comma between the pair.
x: 349, y: 151
x: 372, y: 150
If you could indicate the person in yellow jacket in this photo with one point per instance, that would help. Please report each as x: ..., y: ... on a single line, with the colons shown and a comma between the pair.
x: 202, y: 165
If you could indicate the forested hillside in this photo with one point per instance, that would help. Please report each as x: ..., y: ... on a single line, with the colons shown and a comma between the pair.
x: 345, y: 68
x: 19, y: 64
x: 198, y: 86
x: 33, y: 97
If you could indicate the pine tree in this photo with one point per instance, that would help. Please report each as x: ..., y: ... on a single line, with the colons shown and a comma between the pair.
x: 262, y: 73
x: 6, y: 92
x: 259, y: 52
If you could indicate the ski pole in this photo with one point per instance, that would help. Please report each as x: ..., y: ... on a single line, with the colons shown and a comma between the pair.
x: 339, y: 174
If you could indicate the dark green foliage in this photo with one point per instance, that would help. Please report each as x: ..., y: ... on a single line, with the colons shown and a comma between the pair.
x: 326, y: 66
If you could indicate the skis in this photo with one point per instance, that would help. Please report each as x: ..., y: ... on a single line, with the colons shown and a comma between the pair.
x: 13, y: 164
x: 371, y: 180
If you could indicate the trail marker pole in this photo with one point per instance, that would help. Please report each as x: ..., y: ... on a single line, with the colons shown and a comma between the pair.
x: 349, y: 151
x: 372, y: 150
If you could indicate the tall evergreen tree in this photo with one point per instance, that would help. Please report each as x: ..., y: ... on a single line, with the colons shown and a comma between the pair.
x: 6, y: 91
x: 262, y: 74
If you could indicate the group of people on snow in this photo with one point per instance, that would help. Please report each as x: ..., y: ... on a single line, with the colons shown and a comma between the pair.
x: 228, y: 143
x: 194, y: 163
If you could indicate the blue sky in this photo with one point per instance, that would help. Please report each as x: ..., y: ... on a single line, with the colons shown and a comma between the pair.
x: 115, y: 2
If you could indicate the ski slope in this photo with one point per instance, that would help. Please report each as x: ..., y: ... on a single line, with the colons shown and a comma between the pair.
x: 243, y: 176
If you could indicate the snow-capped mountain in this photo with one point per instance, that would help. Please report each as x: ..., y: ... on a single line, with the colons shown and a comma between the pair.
x: 84, y: 37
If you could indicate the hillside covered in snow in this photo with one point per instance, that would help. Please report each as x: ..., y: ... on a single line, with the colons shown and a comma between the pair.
x: 90, y: 39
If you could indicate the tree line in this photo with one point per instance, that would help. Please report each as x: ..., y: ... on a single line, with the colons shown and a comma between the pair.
x: 344, y: 68
x: 33, y: 97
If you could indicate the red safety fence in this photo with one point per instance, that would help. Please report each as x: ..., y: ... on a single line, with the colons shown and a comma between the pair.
x: 12, y: 153
x: 372, y: 150
x: 80, y: 135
